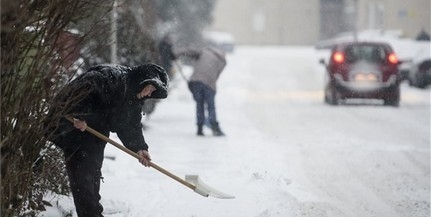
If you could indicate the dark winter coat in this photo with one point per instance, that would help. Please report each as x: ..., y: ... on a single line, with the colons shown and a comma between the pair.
x: 105, y: 97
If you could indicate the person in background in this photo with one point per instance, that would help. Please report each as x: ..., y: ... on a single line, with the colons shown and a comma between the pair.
x: 107, y: 98
x: 167, y: 55
x: 208, y: 63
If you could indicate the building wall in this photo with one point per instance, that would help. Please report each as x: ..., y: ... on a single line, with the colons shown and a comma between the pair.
x: 268, y: 22
x: 331, y: 16
x: 297, y: 22
x: 408, y: 16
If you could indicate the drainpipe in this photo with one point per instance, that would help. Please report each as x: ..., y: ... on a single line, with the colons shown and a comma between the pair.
x: 355, y: 27
x: 114, y: 17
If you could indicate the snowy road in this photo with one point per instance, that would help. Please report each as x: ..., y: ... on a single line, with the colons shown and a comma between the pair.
x: 354, y: 160
x: 286, y: 153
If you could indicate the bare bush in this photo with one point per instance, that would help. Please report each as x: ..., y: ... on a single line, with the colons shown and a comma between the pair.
x: 38, y: 53
x: 35, y: 59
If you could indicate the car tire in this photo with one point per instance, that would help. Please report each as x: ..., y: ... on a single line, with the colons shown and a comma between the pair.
x: 392, y: 102
x: 420, y: 81
x: 394, y: 99
x: 331, y: 96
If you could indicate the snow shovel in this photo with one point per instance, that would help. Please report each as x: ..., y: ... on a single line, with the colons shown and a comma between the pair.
x: 191, y: 181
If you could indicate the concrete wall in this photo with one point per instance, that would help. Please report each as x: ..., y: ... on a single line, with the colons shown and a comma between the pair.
x: 268, y: 22
x: 297, y: 22
x: 409, y: 16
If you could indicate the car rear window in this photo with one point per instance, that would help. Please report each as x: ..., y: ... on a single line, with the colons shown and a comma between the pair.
x: 370, y: 53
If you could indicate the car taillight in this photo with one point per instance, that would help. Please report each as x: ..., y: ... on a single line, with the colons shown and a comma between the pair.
x: 338, y: 57
x: 393, y: 58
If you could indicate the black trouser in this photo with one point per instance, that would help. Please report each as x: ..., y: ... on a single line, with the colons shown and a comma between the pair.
x: 83, y: 167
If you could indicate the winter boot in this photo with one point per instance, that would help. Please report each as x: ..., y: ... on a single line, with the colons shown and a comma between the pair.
x: 200, y: 131
x: 216, y: 129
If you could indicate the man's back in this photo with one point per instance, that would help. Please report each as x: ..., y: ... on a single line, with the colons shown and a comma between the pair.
x: 208, y: 66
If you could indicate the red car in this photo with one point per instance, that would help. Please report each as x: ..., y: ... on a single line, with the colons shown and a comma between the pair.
x: 362, y: 70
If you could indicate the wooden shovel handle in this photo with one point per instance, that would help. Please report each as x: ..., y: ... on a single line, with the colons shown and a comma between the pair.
x: 135, y: 155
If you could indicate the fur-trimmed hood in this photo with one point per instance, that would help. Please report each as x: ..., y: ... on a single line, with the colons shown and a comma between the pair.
x: 140, y: 76
x: 137, y: 77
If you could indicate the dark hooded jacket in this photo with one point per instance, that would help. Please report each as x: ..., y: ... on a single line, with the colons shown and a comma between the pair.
x: 105, y: 97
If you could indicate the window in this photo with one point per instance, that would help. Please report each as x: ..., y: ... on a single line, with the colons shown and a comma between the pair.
x: 371, y: 53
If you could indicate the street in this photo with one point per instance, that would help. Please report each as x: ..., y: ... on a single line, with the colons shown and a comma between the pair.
x: 359, y: 159
x: 286, y: 153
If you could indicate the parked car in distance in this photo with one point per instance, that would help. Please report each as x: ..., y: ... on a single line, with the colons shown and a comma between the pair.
x: 420, y: 73
x: 367, y: 70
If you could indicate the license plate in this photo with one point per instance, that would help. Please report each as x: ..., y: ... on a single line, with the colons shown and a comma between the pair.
x: 365, y: 77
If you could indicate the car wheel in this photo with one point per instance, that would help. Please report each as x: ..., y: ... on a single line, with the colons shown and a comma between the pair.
x: 331, y: 97
x: 394, y: 99
x: 420, y: 81
x: 326, y: 99
x: 392, y: 102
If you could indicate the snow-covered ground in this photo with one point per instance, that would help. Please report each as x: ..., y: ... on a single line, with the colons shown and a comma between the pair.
x: 286, y: 153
